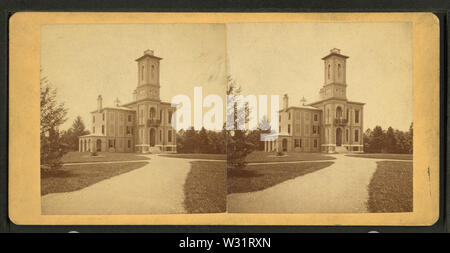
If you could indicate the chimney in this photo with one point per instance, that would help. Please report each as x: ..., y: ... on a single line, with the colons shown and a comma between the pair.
x: 99, y: 103
x: 285, y: 102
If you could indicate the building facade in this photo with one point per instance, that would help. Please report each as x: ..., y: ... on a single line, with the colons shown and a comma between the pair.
x: 143, y: 125
x: 332, y: 124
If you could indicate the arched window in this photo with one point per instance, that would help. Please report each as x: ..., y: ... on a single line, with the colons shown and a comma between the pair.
x: 339, y: 70
x: 152, y: 113
x: 142, y: 72
x: 328, y: 71
x: 338, y: 112
x: 153, y: 71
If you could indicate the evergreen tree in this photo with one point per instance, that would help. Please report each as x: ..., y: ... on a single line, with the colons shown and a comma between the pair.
x: 52, y: 116
x: 71, y: 136
x: 389, y: 141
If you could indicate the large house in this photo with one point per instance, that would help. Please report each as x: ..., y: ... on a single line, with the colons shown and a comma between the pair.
x: 332, y: 124
x: 143, y: 125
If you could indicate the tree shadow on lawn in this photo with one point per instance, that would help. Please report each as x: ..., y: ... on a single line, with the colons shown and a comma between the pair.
x: 56, y: 173
x: 243, y: 173
x: 262, y: 176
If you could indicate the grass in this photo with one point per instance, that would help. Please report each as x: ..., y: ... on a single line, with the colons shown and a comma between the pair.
x: 385, y: 156
x: 76, y: 177
x: 391, y: 187
x: 205, y: 187
x: 80, y: 157
x: 261, y: 176
x: 261, y: 156
x: 198, y: 156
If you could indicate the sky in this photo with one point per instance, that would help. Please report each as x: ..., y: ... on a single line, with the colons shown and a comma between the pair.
x: 275, y: 58
x: 83, y: 61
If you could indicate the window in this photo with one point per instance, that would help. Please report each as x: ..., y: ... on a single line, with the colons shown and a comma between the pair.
x: 289, y: 116
x: 346, y: 135
x: 297, y: 143
x: 152, y: 113
x: 160, y: 135
x: 160, y: 114
x: 142, y: 72
x: 347, y: 115
x: 289, y: 129
x: 141, y: 115
x: 314, y: 128
x: 356, y: 116
x: 93, y: 119
x: 128, y: 130
x: 318, y: 129
x: 111, y: 143
x: 153, y: 71
x: 328, y: 71
x: 129, y: 118
x: 169, y: 136
x: 315, y: 117
x: 338, y: 112
x: 93, y: 130
x: 315, y: 143
x: 356, y: 135
x: 170, y: 117
x: 103, y: 116
x: 339, y: 70
x: 103, y: 129
x: 129, y: 143
x: 279, y: 118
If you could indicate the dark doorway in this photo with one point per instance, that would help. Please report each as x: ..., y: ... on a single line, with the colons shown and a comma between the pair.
x: 152, y: 137
x: 338, y: 137
x: 284, y: 145
x: 99, y: 145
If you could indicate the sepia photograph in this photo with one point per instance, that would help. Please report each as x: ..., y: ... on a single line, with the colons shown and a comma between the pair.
x: 224, y: 119
x: 345, y: 135
x: 108, y: 145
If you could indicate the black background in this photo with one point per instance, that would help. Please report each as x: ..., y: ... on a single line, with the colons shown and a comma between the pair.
x: 279, y: 235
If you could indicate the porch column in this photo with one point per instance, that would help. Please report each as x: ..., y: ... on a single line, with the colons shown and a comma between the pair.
x: 265, y: 146
x: 79, y: 145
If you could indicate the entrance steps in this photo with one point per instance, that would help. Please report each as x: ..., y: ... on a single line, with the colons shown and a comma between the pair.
x: 341, y: 150
x: 154, y: 150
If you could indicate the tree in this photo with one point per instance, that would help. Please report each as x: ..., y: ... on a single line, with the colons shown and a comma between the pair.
x: 204, y: 142
x: 239, y: 145
x: 52, y: 116
x: 376, y: 140
x: 71, y: 136
x: 389, y: 141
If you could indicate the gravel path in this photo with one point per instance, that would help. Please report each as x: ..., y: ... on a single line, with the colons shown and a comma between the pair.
x: 156, y: 188
x: 339, y: 188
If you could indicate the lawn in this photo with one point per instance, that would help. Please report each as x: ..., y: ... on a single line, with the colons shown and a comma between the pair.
x: 76, y: 177
x: 206, y: 187
x: 262, y: 176
x: 81, y: 157
x: 198, y: 156
x: 391, y: 187
x: 261, y: 156
x: 385, y: 156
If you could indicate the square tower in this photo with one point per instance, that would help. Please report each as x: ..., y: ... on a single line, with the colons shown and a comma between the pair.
x: 335, y: 85
x: 148, y: 76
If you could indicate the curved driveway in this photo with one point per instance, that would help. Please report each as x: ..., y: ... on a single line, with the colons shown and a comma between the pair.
x: 340, y: 188
x: 156, y: 188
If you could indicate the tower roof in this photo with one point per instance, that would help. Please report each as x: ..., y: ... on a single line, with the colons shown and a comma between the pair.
x: 148, y: 53
x: 336, y: 52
